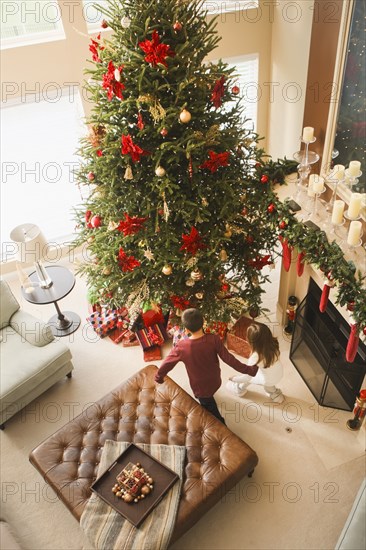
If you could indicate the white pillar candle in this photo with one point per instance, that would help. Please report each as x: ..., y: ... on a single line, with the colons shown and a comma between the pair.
x: 308, y: 134
x: 311, y: 192
x: 337, y: 214
x: 354, y: 233
x: 338, y: 172
x: 354, y: 208
x: 318, y: 183
x: 354, y: 168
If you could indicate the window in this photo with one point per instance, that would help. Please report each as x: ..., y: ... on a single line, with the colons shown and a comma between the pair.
x: 25, y: 22
x: 38, y: 159
x: 247, y: 82
x: 92, y: 15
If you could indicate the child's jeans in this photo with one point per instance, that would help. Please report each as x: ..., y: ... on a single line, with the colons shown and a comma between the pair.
x: 240, y: 388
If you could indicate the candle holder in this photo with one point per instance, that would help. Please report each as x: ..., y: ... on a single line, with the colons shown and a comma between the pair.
x: 335, y: 182
x: 354, y: 253
x: 346, y: 215
x: 352, y: 180
x: 315, y: 214
x: 305, y: 158
x: 334, y: 230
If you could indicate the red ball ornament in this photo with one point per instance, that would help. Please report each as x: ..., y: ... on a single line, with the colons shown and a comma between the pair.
x: 364, y: 330
x: 283, y: 225
x: 235, y: 90
x: 91, y: 176
x: 177, y: 26
x: 258, y: 165
x: 88, y: 215
x: 271, y: 208
x: 99, y: 153
x: 350, y: 306
x: 225, y: 287
x: 253, y: 312
x: 96, y: 221
x: 164, y: 132
x: 104, y: 24
x: 244, y: 212
x: 264, y: 179
x: 249, y: 239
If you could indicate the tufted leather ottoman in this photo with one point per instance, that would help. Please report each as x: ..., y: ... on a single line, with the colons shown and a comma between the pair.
x: 141, y: 411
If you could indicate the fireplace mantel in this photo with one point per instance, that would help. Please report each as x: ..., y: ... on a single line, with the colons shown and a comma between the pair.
x: 290, y: 283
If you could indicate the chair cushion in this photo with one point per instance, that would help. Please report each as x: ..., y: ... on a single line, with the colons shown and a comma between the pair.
x: 141, y: 411
x: 24, y: 367
x: 8, y: 302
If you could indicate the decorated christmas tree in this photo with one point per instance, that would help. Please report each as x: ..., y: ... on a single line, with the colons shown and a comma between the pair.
x: 180, y: 210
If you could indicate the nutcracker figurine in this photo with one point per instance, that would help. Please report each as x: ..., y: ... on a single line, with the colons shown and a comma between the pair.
x: 359, y: 411
x: 291, y: 312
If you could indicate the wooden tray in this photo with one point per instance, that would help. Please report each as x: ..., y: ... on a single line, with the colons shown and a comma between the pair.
x: 135, y: 512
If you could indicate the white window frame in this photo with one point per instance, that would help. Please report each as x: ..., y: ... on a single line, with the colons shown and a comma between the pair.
x: 28, y: 39
x: 234, y: 61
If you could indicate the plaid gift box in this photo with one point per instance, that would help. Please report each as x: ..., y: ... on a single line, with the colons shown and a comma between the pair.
x: 177, y: 333
x: 152, y: 336
x: 103, y: 323
x: 217, y: 327
x: 236, y: 338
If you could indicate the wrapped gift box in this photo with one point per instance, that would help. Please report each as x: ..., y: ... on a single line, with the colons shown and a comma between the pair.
x: 152, y: 336
x: 103, y: 323
x: 217, y: 327
x: 236, y: 337
x: 153, y: 354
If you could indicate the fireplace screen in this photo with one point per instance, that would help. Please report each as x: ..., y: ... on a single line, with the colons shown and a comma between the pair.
x: 318, y: 351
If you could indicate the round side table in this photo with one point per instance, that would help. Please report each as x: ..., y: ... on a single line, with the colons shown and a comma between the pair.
x: 63, y: 281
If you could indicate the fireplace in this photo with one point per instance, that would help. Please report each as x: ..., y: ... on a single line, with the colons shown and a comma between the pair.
x: 318, y: 350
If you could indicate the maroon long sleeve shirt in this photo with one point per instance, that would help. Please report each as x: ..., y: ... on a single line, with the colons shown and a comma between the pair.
x: 201, y: 359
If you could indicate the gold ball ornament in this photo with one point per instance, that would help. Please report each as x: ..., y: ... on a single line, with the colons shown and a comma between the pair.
x: 189, y: 282
x: 106, y: 271
x: 167, y: 269
x: 196, y: 275
x: 228, y: 231
x: 160, y: 171
x: 185, y: 116
x: 127, y: 497
x: 223, y: 255
x: 199, y: 295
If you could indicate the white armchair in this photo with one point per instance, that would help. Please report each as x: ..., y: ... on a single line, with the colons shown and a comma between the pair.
x: 32, y: 360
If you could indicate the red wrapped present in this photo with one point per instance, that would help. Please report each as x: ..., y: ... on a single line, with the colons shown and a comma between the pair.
x: 118, y: 334
x: 103, y: 323
x: 152, y: 315
x: 152, y: 336
x: 236, y: 338
x: 153, y: 354
x: 217, y: 327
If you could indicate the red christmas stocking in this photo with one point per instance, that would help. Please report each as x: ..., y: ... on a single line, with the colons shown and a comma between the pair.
x: 300, y: 263
x: 325, y: 295
x: 286, y: 253
x: 352, y: 345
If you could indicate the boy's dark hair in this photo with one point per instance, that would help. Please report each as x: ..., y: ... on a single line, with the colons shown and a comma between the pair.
x: 192, y: 319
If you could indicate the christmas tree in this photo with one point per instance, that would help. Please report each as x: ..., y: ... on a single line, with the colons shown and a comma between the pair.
x: 180, y: 210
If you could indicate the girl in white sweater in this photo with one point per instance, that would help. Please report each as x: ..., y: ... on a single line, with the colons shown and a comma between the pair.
x: 265, y: 354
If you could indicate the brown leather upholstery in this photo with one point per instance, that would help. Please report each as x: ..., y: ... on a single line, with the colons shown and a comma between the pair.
x: 141, y: 411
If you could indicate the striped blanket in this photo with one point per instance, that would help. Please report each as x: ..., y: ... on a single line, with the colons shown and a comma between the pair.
x: 106, y: 529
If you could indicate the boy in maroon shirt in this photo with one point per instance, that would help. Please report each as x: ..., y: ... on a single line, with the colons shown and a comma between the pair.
x: 200, y: 353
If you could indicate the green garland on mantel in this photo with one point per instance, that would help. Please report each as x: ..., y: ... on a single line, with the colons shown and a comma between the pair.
x: 317, y: 250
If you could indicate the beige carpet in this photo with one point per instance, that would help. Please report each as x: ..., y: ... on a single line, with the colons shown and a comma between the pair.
x: 310, y: 466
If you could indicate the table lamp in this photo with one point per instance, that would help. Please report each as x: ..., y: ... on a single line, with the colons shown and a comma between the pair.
x: 32, y: 248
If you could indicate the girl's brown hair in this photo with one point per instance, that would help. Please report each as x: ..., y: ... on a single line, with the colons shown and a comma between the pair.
x: 264, y: 343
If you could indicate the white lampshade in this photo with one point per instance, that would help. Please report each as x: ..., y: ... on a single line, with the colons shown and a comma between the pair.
x: 31, y: 243
x: 32, y: 247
